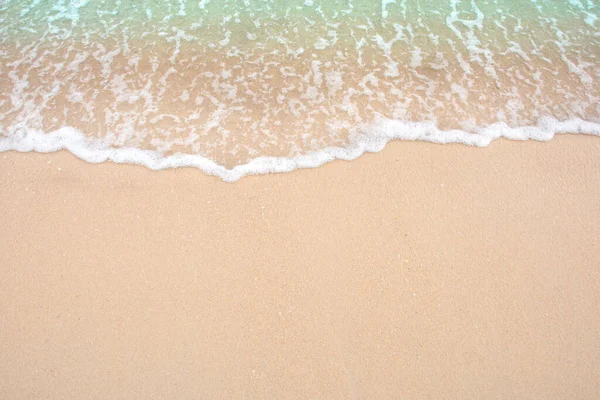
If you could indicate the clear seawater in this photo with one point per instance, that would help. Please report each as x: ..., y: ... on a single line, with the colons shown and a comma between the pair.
x: 237, y: 87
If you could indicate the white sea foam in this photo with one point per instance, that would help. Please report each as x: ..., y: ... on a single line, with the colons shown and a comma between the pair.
x: 372, y: 139
x: 237, y: 88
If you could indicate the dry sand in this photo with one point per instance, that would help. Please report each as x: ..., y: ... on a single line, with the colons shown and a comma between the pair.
x: 424, y: 271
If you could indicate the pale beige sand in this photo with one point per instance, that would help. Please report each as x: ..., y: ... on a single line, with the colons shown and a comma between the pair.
x: 424, y: 271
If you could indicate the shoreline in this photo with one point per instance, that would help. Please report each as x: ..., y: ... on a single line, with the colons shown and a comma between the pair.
x: 420, y: 271
x: 94, y: 151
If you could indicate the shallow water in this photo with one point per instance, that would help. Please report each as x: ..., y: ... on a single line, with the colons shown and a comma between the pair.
x: 239, y: 87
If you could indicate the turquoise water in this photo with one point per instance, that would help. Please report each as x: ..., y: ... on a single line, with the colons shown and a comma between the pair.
x: 238, y: 87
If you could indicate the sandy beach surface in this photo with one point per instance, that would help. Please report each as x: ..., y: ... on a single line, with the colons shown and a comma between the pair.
x: 423, y: 271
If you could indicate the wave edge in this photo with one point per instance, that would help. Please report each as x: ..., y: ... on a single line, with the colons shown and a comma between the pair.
x: 368, y: 139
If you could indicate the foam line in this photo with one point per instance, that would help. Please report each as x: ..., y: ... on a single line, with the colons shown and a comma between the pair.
x: 372, y: 138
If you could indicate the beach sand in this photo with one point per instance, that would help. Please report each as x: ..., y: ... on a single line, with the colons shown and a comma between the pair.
x: 423, y: 271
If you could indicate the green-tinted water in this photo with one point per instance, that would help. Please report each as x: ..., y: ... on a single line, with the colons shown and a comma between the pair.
x: 234, y: 80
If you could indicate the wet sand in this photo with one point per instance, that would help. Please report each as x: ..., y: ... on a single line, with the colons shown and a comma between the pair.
x: 423, y: 271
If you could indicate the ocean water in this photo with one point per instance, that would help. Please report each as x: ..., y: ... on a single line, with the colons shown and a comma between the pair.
x: 237, y: 87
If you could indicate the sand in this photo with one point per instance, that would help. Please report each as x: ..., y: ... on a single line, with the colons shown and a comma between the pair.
x: 423, y: 271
